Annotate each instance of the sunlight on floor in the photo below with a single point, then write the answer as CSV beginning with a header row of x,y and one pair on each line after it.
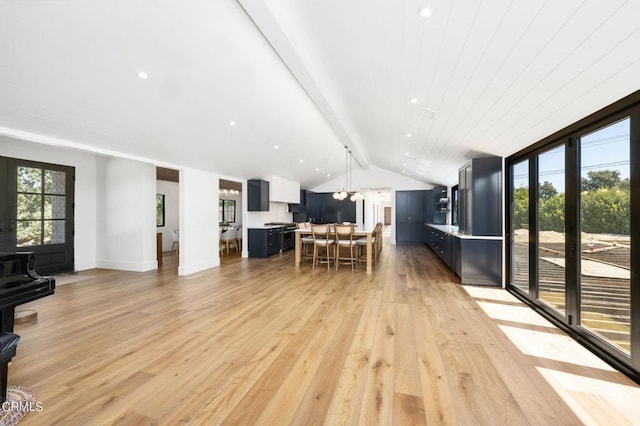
x,y
596,392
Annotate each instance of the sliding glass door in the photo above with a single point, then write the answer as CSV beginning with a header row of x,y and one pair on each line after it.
x,y
605,224
571,234
520,225
551,228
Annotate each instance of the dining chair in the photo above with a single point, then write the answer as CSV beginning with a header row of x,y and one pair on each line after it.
x,y
376,242
175,234
378,236
346,248
322,244
239,238
228,238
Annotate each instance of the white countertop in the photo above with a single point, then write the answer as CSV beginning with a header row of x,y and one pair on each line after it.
x,y
453,230
267,227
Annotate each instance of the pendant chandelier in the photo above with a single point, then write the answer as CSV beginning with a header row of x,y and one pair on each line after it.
x,y
346,190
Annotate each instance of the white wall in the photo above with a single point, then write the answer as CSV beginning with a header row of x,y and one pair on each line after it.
x,y
126,219
199,238
374,177
278,212
84,240
171,211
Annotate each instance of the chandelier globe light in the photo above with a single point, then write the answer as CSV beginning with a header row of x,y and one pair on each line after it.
x,y
346,191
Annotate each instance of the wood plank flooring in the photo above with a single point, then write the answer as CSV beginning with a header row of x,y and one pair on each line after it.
x,y
257,342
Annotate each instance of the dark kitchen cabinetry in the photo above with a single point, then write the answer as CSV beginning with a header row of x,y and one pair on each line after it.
x,y
264,242
442,245
480,192
410,216
321,207
257,195
338,211
476,260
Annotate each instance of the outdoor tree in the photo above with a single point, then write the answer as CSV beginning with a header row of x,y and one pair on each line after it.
x,y
521,207
547,190
598,179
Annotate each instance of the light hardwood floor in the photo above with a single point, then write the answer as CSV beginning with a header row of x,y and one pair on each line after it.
x,y
257,342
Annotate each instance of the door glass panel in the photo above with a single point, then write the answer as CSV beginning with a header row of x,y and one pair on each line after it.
x,y
54,206
520,226
551,220
54,182
29,179
29,206
29,233
53,231
605,244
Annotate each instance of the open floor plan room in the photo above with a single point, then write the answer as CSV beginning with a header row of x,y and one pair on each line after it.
x,y
258,342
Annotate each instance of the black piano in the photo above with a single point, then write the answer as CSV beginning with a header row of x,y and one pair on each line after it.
x,y
19,283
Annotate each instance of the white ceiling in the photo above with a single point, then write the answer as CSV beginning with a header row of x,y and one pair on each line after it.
x,y
490,77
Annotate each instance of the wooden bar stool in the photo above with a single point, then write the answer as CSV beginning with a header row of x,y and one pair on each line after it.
x,y
321,245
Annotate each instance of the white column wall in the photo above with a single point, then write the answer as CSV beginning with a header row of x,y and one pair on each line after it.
x,y
84,240
126,219
199,238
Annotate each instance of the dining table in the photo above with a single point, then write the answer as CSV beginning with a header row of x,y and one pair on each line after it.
x,y
356,234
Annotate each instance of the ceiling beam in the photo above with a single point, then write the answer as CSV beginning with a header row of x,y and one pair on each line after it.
x,y
264,20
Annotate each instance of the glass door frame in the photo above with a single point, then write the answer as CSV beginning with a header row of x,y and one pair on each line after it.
x,y
627,107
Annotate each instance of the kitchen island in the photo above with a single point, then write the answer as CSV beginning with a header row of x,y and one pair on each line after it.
x,y
475,259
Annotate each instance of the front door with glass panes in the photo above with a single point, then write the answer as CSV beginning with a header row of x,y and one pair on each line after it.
x,y
36,212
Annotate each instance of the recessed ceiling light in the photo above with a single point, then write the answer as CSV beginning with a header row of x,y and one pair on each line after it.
x,y
409,135
317,169
142,75
232,123
404,164
328,174
413,101
425,12
301,160
276,147
404,172
406,153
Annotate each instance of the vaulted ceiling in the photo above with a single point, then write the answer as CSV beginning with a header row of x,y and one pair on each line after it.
x,y
413,95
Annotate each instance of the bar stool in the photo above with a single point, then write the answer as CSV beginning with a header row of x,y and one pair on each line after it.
x,y
321,245
344,242
307,241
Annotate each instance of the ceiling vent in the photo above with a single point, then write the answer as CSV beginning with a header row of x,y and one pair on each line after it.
x,y
427,114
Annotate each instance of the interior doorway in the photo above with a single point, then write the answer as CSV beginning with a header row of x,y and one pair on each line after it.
x,y
230,214
167,216
387,215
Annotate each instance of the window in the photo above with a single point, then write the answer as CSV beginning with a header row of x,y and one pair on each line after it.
x,y
159,210
605,229
520,225
41,206
227,211
571,233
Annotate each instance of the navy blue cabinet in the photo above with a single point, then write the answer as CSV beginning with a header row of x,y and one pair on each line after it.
x,y
257,195
480,187
410,216
321,207
264,242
